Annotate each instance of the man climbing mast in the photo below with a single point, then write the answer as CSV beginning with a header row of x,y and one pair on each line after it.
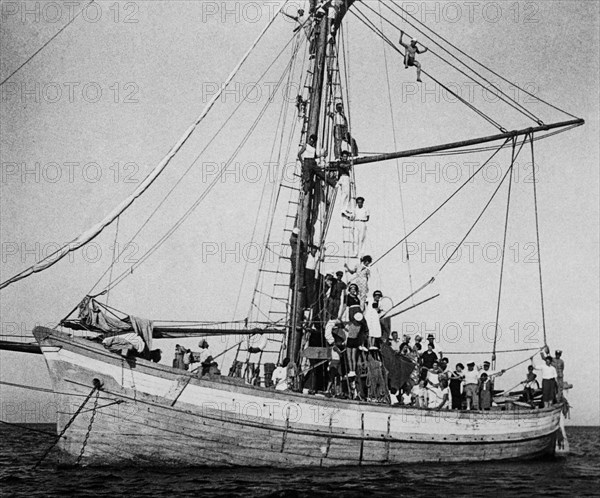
x,y
410,55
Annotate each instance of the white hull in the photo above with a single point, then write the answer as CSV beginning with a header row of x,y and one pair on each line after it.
x,y
149,414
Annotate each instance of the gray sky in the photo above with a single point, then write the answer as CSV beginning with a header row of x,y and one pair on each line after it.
x,y
94,112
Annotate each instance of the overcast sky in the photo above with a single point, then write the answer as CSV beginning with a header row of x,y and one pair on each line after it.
x,y
84,122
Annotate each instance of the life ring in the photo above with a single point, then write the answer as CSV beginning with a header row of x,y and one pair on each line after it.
x,y
355,314
257,343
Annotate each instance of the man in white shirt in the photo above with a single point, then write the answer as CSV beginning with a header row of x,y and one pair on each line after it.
x,y
395,342
280,376
204,357
361,217
548,382
471,381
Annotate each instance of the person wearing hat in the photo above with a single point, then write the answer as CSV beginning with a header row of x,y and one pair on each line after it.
x,y
372,313
471,380
351,314
361,216
548,381
410,54
559,364
492,374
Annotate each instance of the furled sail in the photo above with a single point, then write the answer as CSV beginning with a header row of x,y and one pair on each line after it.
x,y
93,232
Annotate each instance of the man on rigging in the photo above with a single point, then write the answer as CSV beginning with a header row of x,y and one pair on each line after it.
x,y
340,128
343,180
360,216
411,53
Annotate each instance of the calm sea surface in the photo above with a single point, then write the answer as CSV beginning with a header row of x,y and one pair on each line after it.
x,y
576,475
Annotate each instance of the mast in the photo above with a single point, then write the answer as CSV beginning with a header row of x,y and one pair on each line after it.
x,y
304,221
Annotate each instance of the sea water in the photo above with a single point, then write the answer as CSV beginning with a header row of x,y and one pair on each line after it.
x,y
578,474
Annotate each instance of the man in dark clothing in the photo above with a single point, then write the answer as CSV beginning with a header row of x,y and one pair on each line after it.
x,y
428,358
456,380
338,286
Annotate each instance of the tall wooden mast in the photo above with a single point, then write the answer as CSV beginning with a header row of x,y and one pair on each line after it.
x,y
305,223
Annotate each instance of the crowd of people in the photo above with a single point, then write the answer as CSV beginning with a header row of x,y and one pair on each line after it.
x,y
436,386
431,384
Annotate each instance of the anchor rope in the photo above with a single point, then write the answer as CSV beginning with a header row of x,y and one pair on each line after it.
x,y
97,387
89,430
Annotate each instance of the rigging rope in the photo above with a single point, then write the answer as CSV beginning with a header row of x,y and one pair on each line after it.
x,y
509,170
537,235
282,114
94,231
217,178
168,194
274,202
373,28
398,165
517,106
485,67
510,182
345,42
440,206
114,256
48,42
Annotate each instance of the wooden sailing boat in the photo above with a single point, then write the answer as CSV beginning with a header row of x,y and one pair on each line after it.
x,y
163,415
